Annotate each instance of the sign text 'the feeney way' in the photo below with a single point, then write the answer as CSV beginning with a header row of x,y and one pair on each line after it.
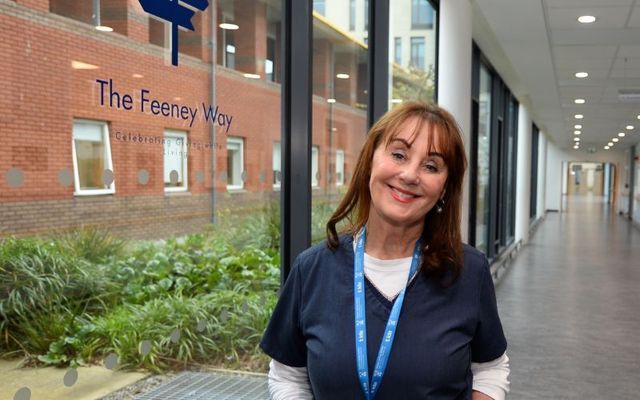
x,y
110,97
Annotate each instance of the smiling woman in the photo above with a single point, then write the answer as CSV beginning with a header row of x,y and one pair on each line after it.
x,y
399,265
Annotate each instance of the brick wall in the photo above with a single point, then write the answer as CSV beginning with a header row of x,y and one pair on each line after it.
x,y
42,94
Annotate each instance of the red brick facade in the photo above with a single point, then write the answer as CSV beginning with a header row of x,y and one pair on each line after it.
x,y
42,94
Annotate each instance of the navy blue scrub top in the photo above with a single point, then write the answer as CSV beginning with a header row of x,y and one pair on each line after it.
x,y
440,331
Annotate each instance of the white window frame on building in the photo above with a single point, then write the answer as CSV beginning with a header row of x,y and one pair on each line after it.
x,y
397,50
339,167
315,151
235,144
172,136
108,162
276,178
418,52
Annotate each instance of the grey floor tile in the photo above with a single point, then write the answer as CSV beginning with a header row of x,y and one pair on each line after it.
x,y
570,307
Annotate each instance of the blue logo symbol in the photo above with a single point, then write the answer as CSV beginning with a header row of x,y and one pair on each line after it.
x,y
179,16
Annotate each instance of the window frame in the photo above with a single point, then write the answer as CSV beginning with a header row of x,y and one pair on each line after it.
x,y
240,141
175,133
78,191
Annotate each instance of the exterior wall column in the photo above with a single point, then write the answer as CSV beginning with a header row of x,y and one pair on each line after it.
x,y
543,170
454,76
523,179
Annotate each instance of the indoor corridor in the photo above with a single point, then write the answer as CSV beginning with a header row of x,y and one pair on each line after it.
x,y
570,306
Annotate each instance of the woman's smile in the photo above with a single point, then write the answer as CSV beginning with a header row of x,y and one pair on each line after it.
x,y
402,196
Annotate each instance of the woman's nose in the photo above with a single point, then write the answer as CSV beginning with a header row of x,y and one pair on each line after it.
x,y
409,175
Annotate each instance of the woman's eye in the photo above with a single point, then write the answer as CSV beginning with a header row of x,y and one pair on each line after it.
x,y
431,167
397,156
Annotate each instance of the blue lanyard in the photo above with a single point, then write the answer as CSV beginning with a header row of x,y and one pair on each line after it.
x,y
361,321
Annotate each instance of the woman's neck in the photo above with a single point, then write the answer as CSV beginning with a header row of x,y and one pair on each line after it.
x,y
386,241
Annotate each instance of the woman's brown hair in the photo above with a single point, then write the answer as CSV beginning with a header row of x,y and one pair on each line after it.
x,y
442,254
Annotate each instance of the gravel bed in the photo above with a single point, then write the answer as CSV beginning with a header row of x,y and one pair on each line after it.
x,y
142,386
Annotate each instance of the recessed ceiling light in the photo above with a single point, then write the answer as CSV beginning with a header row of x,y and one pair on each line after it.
x,y
579,101
252,76
104,28
638,116
610,144
577,127
629,127
576,139
331,100
578,116
582,74
621,134
606,147
342,76
615,140
577,132
396,101
586,19
229,26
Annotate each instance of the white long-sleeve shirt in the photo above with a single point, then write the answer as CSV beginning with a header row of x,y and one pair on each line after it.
x,y
389,277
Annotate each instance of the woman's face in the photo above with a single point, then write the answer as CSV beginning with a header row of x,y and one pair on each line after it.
x,y
406,179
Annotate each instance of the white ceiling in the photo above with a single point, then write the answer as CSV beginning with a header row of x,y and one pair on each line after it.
x,y
538,45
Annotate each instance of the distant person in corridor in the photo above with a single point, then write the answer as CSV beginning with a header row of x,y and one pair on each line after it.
x,y
396,306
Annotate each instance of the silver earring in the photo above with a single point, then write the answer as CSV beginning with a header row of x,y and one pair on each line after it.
x,y
440,206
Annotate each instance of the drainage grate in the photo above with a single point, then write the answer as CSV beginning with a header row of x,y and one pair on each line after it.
x,y
209,386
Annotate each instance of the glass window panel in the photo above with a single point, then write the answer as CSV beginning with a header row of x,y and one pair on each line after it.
x,y
152,251
319,6
315,173
352,15
92,157
175,159
339,167
417,53
412,66
87,132
483,171
235,163
421,14
397,50
277,164
339,106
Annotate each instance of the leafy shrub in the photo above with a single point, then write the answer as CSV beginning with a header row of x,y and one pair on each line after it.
x,y
73,298
42,290
220,327
91,244
181,268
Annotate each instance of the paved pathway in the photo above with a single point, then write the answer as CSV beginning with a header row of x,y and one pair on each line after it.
x,y
48,383
570,306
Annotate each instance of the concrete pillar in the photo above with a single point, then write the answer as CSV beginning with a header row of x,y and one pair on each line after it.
x,y
542,175
523,180
454,76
